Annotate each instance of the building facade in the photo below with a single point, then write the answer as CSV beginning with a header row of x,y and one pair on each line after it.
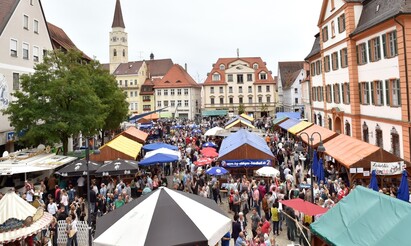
x,y
359,72
178,93
290,76
242,83
23,40
306,94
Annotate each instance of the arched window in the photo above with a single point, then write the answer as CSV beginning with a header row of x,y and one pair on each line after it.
x,y
395,142
330,123
378,136
114,52
365,135
347,128
222,67
124,52
320,120
315,119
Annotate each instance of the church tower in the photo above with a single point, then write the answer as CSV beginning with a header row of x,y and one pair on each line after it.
x,y
118,40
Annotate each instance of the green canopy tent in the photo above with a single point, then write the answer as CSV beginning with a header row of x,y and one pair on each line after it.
x,y
364,217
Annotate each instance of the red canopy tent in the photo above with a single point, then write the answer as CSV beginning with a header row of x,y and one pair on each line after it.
x,y
209,152
203,161
304,207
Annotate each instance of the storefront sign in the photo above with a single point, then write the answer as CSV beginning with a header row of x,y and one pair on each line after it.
x,y
10,136
387,168
246,163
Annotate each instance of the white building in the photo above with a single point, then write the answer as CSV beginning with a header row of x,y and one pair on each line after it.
x,y
290,76
23,40
179,93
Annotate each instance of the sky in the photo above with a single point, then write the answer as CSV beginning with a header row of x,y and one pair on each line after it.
x,y
196,32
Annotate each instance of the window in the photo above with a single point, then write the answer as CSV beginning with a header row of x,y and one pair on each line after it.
x,y
158,103
131,82
259,89
314,93
172,92
320,120
35,53
341,23
179,92
337,93
328,93
347,128
216,77
240,89
312,69
378,137
395,92
389,44
230,78
267,88
222,67
374,49
395,142
36,26
344,58
240,100
126,83
249,77
16,81
172,103
325,34
146,98
186,92
379,93
231,100
212,101
131,93
296,90
221,89
365,92
165,103
330,123
327,63
263,76
250,89
25,51
114,52
240,79
158,92
230,89
212,90
120,82
346,93
318,67
296,100
26,22
255,66
221,100
13,47
332,29
165,92
362,54
250,100
260,99
268,97
146,107
179,103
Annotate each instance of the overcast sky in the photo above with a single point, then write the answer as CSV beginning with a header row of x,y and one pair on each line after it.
x,y
196,32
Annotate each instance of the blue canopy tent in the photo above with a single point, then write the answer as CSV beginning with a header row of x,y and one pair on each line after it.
x,y
291,115
154,146
289,123
216,171
374,182
403,191
209,144
158,158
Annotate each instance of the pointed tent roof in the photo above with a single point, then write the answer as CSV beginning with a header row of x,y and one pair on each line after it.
x,y
118,16
13,206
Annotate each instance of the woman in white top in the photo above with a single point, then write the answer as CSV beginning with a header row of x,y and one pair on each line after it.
x,y
65,200
52,207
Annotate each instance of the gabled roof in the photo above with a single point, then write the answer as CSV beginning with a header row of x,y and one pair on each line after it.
x,y
7,8
159,67
249,61
289,72
60,40
386,10
324,7
118,16
128,68
135,134
176,77
316,47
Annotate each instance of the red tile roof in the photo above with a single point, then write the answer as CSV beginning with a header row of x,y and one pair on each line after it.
x,y
7,8
176,77
118,16
135,134
147,88
60,40
249,61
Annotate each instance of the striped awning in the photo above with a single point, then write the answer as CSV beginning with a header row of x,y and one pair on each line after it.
x,y
289,123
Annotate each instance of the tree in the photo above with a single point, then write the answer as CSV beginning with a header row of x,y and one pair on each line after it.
x,y
241,109
58,100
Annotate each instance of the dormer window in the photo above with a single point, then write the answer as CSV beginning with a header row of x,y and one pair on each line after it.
x,y
263,76
216,77
255,66
222,67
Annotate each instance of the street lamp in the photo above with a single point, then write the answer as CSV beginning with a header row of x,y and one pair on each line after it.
x,y
320,149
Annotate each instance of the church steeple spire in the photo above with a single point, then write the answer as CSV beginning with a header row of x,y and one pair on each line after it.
x,y
118,16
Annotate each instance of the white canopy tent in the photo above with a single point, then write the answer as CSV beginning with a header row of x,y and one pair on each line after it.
x,y
163,151
213,131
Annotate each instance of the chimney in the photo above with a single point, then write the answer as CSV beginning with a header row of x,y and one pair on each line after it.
x,y
238,52
151,56
185,66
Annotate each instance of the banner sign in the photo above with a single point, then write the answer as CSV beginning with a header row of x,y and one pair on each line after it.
x,y
246,163
387,168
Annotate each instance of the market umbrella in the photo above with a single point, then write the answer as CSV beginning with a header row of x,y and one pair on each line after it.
x,y
164,217
154,146
403,191
203,161
374,182
209,144
267,172
320,171
216,171
209,152
315,163
118,167
196,131
19,219
78,168
213,131
304,207
163,151
158,158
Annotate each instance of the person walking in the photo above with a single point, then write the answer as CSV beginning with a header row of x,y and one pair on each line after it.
x,y
275,218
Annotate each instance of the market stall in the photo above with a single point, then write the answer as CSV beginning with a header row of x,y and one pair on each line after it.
x,y
120,147
135,134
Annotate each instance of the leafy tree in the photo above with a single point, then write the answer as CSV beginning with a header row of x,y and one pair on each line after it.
x,y
59,100
241,109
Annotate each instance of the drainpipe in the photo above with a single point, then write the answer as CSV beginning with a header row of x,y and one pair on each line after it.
x,y
406,78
